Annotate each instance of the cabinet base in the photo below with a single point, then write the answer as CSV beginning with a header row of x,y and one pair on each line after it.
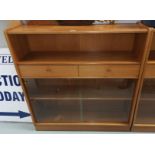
x,y
143,128
81,127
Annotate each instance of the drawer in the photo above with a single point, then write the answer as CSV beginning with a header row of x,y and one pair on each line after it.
x,y
109,71
149,71
36,71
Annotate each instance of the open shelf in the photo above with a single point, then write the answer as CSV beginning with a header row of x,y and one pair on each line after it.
x,y
85,89
113,48
79,58
58,111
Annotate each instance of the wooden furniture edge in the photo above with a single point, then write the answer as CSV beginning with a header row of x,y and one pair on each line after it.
x,y
143,127
82,126
19,76
13,24
27,29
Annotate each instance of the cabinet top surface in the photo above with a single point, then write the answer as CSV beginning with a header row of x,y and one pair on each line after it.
x,y
116,28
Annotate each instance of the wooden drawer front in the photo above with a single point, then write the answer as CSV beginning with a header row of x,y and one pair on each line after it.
x,y
38,71
149,71
109,71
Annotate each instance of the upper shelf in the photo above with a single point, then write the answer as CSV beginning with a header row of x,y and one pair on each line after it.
x,y
72,57
116,28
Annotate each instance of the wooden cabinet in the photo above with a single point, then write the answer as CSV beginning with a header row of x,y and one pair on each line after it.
x,y
145,112
80,77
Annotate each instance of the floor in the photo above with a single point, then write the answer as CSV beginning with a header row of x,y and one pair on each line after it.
x,y
27,128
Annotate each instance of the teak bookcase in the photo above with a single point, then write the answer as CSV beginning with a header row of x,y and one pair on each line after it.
x,y
144,119
82,77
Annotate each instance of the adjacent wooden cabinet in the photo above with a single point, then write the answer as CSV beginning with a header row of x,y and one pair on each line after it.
x,y
84,77
145,112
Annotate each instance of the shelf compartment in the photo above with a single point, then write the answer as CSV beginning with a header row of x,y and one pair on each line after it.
x,y
151,59
85,57
90,111
152,56
105,100
146,112
72,89
113,48
150,64
106,111
146,108
148,90
56,111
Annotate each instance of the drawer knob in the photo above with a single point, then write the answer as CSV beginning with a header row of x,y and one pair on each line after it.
x,y
108,70
48,70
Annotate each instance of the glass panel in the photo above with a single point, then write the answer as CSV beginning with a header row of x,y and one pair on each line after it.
x,y
56,111
146,109
106,111
81,100
119,89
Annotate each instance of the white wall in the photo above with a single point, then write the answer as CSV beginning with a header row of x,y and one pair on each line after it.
x,y
3,26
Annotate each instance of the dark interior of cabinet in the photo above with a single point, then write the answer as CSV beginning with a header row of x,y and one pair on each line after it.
x,y
152,50
78,48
